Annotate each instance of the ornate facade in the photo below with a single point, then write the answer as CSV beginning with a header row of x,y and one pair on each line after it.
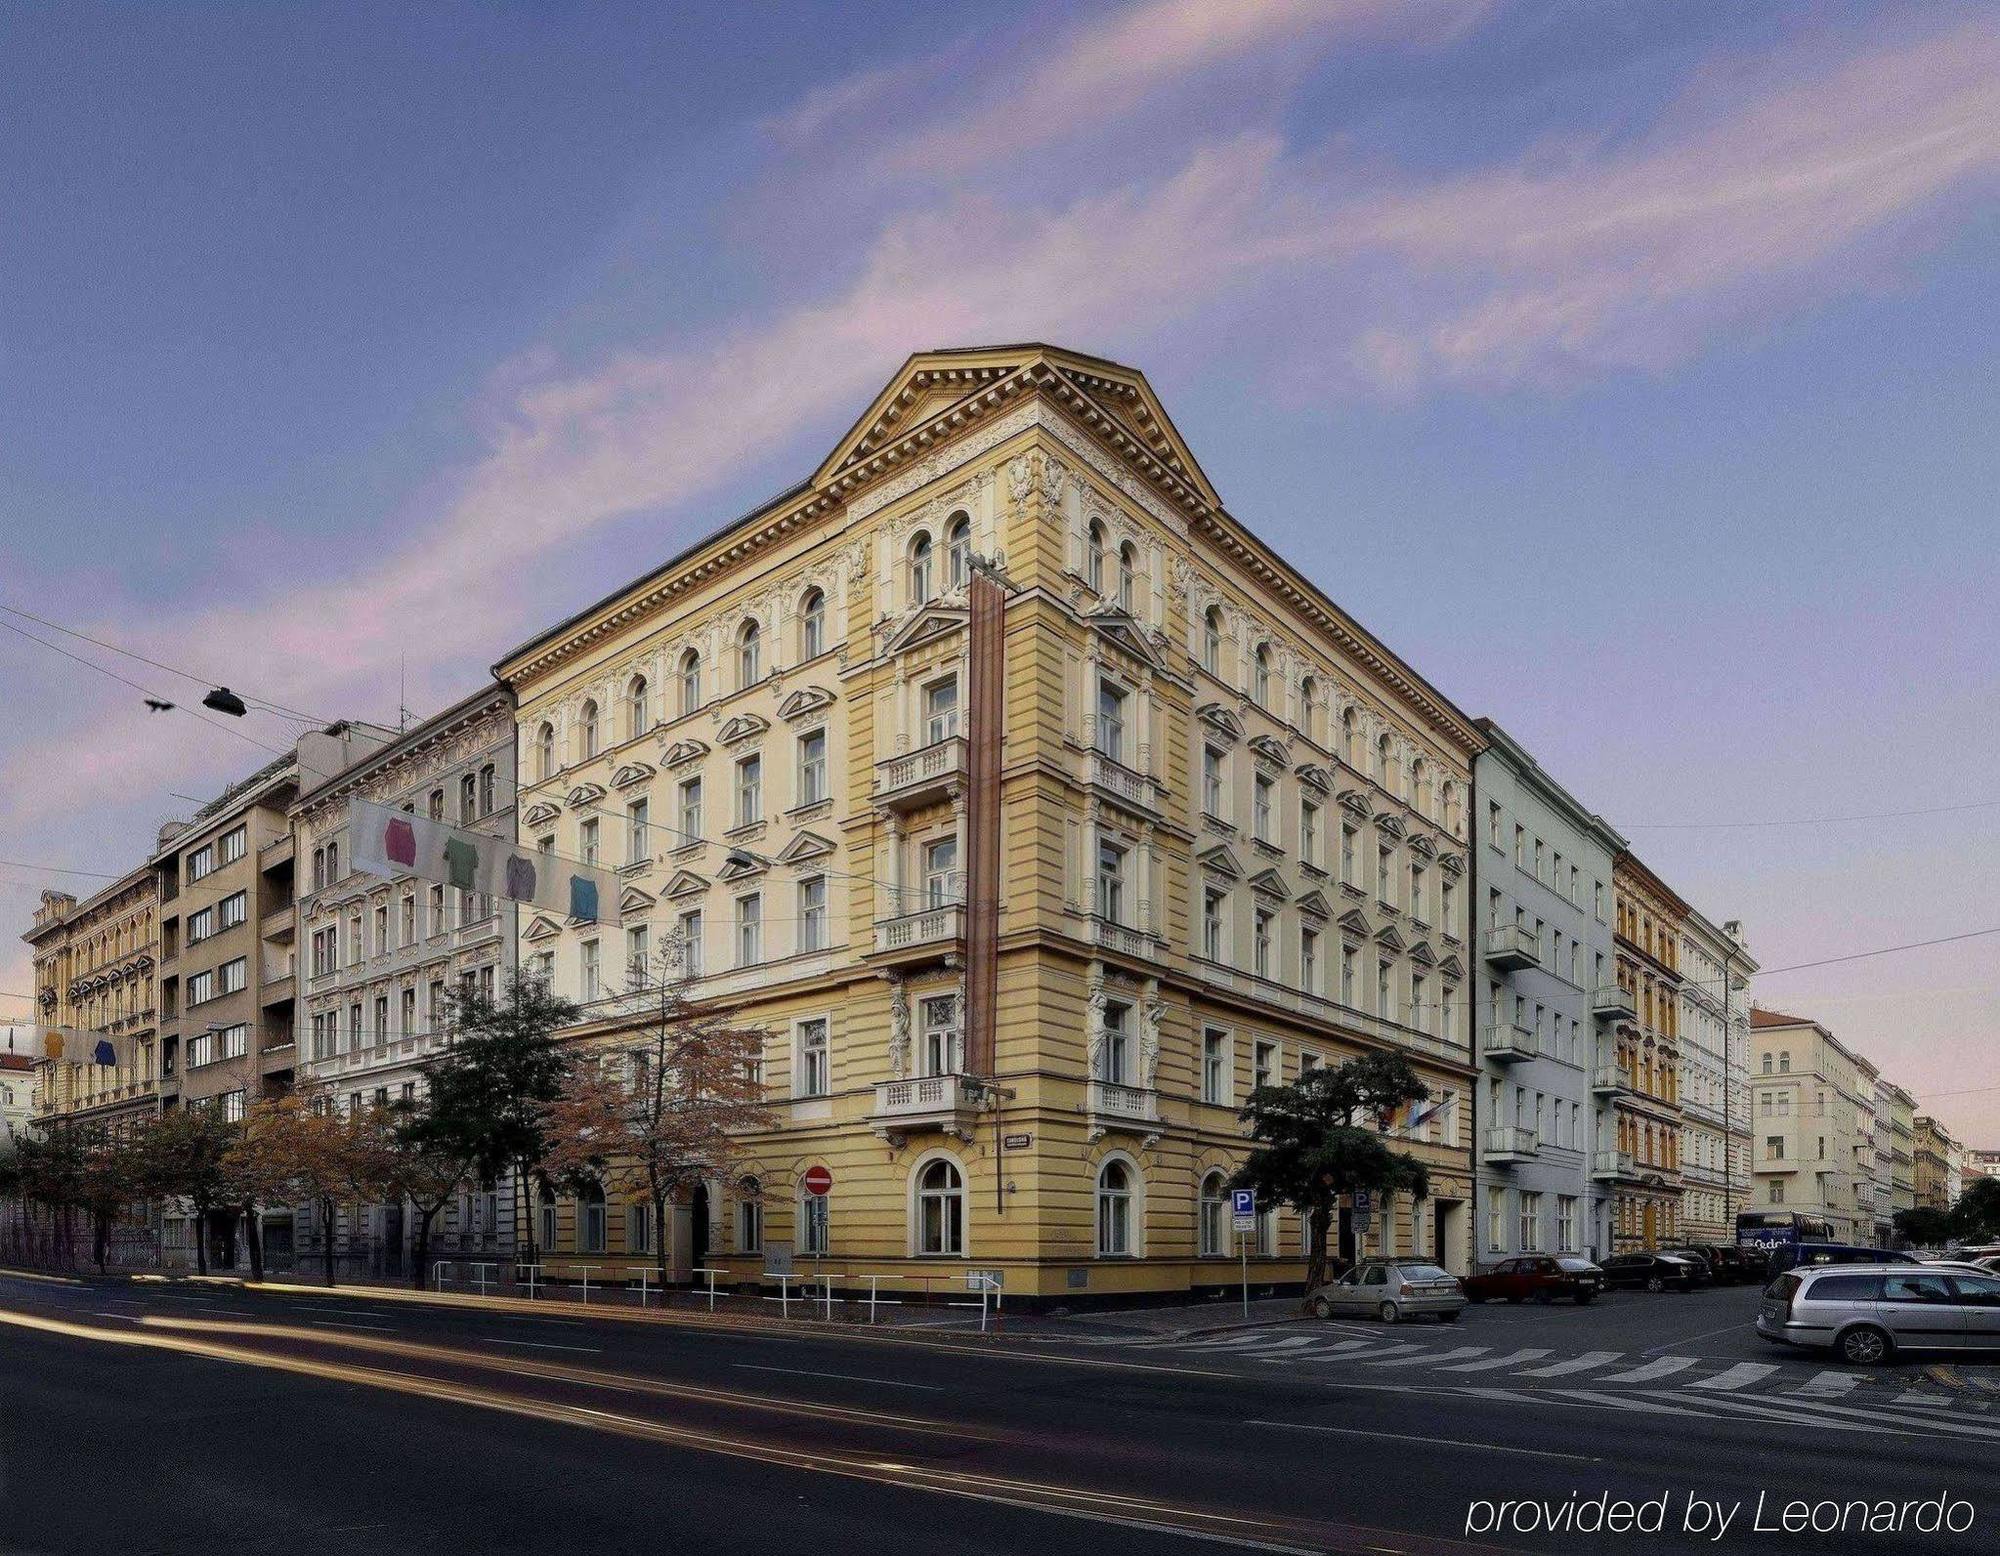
x,y
1714,1046
95,967
1645,1165
1232,830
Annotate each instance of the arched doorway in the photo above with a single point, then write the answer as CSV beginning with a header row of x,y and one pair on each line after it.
x,y
698,1230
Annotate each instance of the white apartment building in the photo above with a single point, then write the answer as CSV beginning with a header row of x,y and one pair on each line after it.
x,y
380,955
1715,1032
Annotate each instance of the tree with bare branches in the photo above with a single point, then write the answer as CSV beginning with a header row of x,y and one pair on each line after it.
x,y
301,1149
655,1111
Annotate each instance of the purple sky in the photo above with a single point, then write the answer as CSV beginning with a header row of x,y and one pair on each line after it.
x,y
1630,369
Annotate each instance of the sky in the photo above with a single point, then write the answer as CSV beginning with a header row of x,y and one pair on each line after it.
x,y
1631,370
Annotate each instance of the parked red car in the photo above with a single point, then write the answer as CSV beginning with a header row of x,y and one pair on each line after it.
x,y
1536,1277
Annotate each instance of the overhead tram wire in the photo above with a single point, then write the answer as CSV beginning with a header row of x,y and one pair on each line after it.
x,y
187,675
1806,821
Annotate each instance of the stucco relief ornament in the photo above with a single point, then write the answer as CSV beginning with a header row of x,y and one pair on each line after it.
x,y
1099,1003
1149,1042
899,1031
1054,473
1020,477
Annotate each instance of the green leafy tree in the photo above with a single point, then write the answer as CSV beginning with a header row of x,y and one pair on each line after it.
x,y
183,1159
114,1177
1925,1226
428,1166
1976,1216
1322,1136
488,1089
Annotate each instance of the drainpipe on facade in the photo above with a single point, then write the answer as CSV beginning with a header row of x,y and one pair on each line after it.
x,y
986,600
1476,946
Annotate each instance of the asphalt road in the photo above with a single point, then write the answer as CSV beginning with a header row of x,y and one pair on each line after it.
x,y
177,1417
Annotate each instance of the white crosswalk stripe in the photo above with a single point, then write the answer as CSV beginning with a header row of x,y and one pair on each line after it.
x,y
1371,1353
1665,1367
1495,1363
1583,1363
1740,1376
1828,1385
1429,1358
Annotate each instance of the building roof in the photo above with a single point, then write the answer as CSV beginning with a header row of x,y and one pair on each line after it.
x,y
1760,1017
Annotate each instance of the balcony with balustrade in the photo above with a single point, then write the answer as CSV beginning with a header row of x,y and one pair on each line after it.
x,y
922,777
1608,1080
1613,1003
921,936
939,1104
1114,1106
1507,1144
1508,1042
1605,1165
1512,948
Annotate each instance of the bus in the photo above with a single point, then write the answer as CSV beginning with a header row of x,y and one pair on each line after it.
x,y
1769,1230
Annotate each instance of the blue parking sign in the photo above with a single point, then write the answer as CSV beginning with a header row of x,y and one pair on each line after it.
x,y
1243,1209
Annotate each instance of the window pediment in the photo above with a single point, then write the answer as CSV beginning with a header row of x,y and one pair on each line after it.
x,y
806,846
926,625
1355,922
1315,777
1422,954
1314,905
685,884
1220,861
1118,627
745,726
1452,864
1357,803
804,702
1271,749
633,900
1390,824
1420,843
540,814
632,773
1387,936
1268,883
682,752
540,929
585,794
1452,967
741,865
1220,721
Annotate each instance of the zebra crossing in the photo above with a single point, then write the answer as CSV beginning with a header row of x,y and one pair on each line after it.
x,y
1665,1384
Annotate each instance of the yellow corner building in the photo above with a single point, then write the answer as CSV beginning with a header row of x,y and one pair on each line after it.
x,y
1226,831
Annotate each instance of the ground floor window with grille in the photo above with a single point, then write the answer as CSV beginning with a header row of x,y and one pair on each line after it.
x,y
940,1209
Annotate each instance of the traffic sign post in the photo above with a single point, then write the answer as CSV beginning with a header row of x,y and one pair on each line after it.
x,y
1243,1215
818,1181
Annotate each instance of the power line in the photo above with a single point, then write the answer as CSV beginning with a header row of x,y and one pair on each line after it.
x,y
1806,821
186,675
56,869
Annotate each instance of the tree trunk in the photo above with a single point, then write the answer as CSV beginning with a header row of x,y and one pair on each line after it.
x,y
328,1207
101,1230
660,1240
423,1249
201,1239
1322,1226
253,1239
528,1206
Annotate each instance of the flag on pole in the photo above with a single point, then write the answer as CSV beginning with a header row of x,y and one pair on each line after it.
x,y
388,842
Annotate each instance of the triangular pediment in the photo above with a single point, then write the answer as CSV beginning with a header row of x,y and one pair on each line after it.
x,y
1420,843
804,702
1355,922
584,794
1271,749
1118,627
682,752
745,726
1387,936
1269,883
1356,802
541,928
941,393
1451,966
632,773
1390,823
740,865
804,847
925,626
1220,720
1220,861
633,900
540,814
685,884
1315,777
1314,905
1452,864
1422,954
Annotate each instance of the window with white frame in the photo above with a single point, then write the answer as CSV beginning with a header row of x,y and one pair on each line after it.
x,y
1111,719
920,569
638,707
690,677
749,1217
587,834
233,909
638,842
590,981
1309,832
1531,1220
749,654
941,710
814,1070
1128,570
1496,1218
1348,877
1211,640
813,1225
637,948
1214,919
1260,677
940,860
940,1043
590,1219
1215,1066
200,987
200,925
639,1228
1309,958
749,791
1261,791
812,625
1110,881
1349,957
233,844
1214,1208
1093,556
749,930
812,767
812,913
690,812
1214,801
1114,1047
690,943
1261,921
1114,1210
201,862
587,731
940,1208
958,551
1264,1064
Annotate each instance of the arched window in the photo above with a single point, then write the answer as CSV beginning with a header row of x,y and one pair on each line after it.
x,y
812,625
1384,762
1420,786
1128,573
587,730
958,551
749,655
546,1205
1114,1210
690,681
1350,738
545,750
1211,640
590,1219
920,569
1309,708
1451,807
1093,556
332,862
1213,1207
940,1209
638,707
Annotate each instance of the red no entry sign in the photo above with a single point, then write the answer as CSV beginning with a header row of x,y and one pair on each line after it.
x,y
818,1181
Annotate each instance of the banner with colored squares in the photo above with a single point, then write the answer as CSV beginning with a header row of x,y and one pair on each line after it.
x,y
392,843
84,1047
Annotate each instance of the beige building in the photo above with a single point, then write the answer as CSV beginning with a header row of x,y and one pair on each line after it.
x,y
1936,1152
1028,883
1895,1131
1814,1154
1645,1169
95,966
1715,967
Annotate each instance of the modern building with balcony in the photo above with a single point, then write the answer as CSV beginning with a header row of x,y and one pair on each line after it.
x,y
1036,811
1541,870
380,955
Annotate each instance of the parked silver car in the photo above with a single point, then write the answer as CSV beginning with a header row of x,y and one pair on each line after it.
x,y
1391,1290
1868,1313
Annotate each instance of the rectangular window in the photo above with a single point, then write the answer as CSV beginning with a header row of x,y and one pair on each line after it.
x,y
1263,1064
231,1103
234,843
749,930
1215,1066
1566,1223
200,987
1531,1221
1212,800
813,1224
940,711
1114,1060
638,844
690,810
200,925
812,767
381,1033
381,929
940,1052
814,1072
1496,1218
812,913
1348,959
749,791
1309,832
1385,999
690,938
638,973
234,909
1385,874
591,983
1111,883
1309,959
409,1027
1111,720
1214,907
940,872
409,920
749,1226
1260,941
201,862
587,833
1347,867
435,917
1260,808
